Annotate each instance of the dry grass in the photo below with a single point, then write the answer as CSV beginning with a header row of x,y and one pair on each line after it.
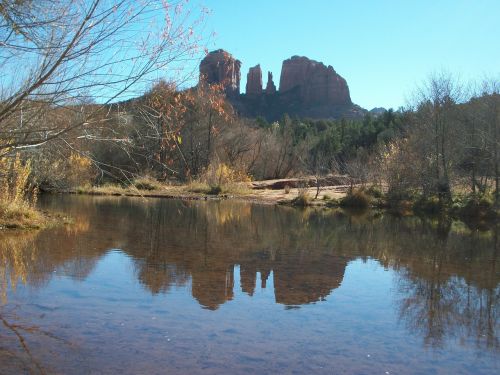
x,y
18,196
147,183
20,215
356,199
197,187
234,188
238,190
303,198
107,189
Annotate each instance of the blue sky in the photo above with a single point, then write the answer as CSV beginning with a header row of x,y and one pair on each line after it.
x,y
382,48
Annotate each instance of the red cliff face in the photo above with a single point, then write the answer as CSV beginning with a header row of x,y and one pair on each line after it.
x,y
316,83
221,67
254,81
308,88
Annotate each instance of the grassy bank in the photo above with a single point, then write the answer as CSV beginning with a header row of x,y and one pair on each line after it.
x,y
465,207
152,188
24,216
478,208
14,215
245,191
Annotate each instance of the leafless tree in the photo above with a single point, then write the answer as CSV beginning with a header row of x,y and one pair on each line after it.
x,y
60,56
435,126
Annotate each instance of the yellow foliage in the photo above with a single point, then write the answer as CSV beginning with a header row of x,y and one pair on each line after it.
x,y
15,187
79,161
18,195
220,174
79,170
16,252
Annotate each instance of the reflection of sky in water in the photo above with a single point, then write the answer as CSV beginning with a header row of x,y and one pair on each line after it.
x,y
136,310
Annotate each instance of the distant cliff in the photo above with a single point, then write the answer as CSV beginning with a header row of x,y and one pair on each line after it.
x,y
307,88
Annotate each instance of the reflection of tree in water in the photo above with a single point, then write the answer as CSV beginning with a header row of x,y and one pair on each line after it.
x,y
29,257
15,349
448,276
438,310
437,303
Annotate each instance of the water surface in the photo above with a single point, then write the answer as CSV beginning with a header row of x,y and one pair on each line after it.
x,y
163,286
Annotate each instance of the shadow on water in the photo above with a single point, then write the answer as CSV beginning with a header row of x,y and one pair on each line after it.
x,y
445,284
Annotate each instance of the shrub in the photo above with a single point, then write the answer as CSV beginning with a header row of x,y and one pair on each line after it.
x,y
477,207
356,199
20,215
146,183
221,177
53,171
374,191
198,187
333,202
214,190
303,199
15,183
428,205
18,195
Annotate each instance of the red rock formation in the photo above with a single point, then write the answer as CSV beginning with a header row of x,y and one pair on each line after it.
x,y
316,83
307,89
221,67
254,81
270,87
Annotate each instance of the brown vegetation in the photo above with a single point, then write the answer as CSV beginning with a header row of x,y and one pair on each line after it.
x,y
17,196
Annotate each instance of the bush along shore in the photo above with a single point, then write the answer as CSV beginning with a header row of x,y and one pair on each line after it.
x,y
18,198
472,208
466,207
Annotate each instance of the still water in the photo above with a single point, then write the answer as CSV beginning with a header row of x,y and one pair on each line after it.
x,y
138,286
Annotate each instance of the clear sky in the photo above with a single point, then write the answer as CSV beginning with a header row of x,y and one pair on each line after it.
x,y
383,48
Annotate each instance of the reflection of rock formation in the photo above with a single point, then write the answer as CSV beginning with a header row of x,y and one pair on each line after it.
x,y
449,281
308,280
213,286
248,277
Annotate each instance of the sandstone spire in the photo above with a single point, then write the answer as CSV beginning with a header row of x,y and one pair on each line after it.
x,y
254,81
270,87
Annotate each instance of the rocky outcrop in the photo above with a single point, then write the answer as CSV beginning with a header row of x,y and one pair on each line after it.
x,y
315,83
254,81
270,87
221,67
308,88
378,111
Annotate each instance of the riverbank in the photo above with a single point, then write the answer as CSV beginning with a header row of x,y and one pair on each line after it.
x,y
23,216
255,192
302,192
298,192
